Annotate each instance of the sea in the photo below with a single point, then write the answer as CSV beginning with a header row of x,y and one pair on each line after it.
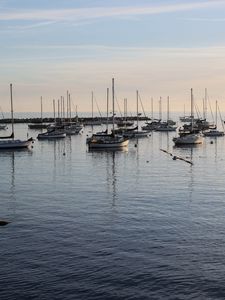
x,y
133,224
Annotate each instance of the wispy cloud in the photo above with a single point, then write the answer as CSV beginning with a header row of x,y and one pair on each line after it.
x,y
32,26
205,19
102,12
126,49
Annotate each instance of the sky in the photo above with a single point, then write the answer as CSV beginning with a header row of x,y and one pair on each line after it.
x,y
160,48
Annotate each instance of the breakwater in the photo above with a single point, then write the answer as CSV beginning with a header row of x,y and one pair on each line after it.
x,y
103,120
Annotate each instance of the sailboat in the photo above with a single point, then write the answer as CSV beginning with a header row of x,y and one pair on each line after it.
x,y
192,136
93,121
127,129
108,141
169,124
53,131
137,133
38,125
154,123
214,132
9,142
124,123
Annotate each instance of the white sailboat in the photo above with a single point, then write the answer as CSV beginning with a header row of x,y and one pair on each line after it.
x,y
53,132
9,142
190,137
214,132
138,133
108,141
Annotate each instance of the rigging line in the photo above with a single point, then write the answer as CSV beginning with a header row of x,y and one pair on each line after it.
x,y
197,111
97,107
142,105
220,116
211,109
119,107
74,107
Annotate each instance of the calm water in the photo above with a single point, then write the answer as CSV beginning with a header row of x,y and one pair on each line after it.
x,y
132,224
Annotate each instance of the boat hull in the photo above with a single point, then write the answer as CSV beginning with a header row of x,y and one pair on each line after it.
x,y
166,129
44,136
108,144
37,126
15,144
214,133
137,134
189,139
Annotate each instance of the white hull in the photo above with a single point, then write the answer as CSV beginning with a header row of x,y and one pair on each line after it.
x,y
107,144
188,139
15,144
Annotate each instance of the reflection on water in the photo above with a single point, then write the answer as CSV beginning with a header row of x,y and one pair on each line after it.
x,y
9,159
111,176
109,158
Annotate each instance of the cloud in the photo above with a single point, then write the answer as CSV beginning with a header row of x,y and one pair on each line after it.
x,y
204,19
123,51
80,14
32,26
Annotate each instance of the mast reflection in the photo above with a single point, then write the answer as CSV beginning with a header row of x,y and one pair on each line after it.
x,y
110,157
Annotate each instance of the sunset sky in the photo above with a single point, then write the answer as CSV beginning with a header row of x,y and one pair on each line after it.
x,y
161,48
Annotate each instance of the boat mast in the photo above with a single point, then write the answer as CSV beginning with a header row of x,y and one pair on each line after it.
x,y
92,104
160,108
205,106
168,108
216,114
124,109
152,107
137,108
192,113
41,111
69,97
12,117
63,109
107,114
76,115
54,110
222,122
58,110
113,103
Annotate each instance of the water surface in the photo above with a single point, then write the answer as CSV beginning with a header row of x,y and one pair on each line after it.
x,y
132,224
